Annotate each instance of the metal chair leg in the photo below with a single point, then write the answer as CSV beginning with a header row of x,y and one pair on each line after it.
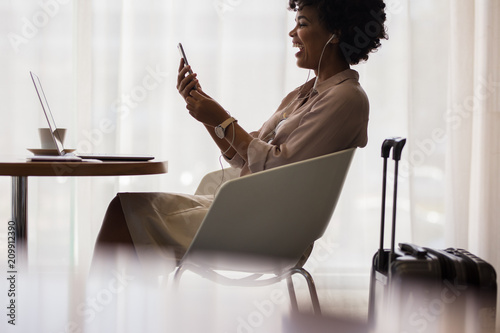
x,y
291,292
311,286
177,275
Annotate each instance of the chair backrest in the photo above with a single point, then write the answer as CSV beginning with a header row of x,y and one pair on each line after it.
x,y
276,213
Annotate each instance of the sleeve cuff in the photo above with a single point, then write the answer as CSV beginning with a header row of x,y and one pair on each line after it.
x,y
258,152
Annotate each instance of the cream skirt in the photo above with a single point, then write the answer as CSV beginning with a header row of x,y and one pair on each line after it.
x,y
163,224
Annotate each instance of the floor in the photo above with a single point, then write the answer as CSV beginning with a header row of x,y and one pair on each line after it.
x,y
126,301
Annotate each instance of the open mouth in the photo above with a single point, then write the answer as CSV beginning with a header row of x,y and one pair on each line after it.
x,y
301,49
300,46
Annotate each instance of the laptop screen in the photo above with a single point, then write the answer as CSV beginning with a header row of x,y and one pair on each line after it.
x,y
58,141
48,114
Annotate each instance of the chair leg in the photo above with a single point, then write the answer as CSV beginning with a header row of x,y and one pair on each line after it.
x,y
177,275
291,292
310,285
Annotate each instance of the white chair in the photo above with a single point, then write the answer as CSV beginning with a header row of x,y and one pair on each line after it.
x,y
270,218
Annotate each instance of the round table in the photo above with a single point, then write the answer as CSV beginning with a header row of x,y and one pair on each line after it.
x,y
20,170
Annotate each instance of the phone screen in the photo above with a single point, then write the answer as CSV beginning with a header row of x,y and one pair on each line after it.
x,y
183,55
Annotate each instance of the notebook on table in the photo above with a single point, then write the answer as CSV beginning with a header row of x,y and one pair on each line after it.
x,y
62,154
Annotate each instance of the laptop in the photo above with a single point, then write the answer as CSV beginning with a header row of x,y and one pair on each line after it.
x,y
62,154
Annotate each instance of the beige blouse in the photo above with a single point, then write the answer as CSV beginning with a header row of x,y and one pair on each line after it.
x,y
309,124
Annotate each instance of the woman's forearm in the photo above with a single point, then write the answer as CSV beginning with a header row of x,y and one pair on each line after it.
x,y
236,141
239,139
224,146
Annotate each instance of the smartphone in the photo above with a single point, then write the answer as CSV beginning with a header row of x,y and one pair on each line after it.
x,y
183,55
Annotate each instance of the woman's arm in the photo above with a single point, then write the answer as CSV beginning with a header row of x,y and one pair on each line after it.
x,y
207,111
211,114
224,146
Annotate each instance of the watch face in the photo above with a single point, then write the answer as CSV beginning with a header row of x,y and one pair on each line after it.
x,y
219,131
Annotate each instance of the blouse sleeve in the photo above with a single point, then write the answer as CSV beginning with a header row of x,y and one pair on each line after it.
x,y
237,161
332,124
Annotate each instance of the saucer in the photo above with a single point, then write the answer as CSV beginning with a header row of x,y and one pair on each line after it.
x,y
48,152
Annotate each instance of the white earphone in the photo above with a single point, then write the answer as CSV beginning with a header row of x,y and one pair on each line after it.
x,y
319,64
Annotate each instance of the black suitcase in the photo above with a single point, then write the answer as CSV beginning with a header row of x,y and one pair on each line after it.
x,y
418,289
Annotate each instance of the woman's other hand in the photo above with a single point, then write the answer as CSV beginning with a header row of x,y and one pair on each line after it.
x,y
186,83
205,109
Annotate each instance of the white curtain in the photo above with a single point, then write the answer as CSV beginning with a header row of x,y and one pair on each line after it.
x,y
473,148
109,71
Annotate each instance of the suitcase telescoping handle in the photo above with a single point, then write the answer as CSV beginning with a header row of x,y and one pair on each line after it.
x,y
396,144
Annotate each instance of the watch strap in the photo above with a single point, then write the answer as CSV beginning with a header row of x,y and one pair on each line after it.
x,y
220,130
227,122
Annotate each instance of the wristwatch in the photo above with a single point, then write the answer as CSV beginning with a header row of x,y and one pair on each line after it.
x,y
220,130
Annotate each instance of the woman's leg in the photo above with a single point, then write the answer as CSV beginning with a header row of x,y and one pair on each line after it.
x,y
114,230
113,241
114,262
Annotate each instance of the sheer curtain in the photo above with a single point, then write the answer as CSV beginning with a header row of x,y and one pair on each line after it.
x,y
473,148
109,72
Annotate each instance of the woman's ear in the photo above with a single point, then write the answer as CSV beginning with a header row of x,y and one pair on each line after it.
x,y
334,39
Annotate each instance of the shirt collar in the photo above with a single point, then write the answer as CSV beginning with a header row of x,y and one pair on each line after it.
x,y
337,79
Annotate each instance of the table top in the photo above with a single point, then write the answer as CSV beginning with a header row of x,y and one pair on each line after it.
x,y
19,167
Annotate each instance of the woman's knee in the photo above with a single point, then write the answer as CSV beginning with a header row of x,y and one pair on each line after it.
x,y
115,203
114,227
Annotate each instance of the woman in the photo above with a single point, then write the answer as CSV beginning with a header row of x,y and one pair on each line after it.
x,y
328,113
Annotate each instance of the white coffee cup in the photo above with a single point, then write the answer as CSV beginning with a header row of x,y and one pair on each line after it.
x,y
46,140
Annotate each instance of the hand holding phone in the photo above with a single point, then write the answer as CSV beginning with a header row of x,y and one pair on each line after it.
x,y
183,55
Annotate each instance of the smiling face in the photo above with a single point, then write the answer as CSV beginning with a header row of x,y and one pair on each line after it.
x,y
310,36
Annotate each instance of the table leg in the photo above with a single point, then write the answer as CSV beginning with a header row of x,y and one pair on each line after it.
x,y
19,214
